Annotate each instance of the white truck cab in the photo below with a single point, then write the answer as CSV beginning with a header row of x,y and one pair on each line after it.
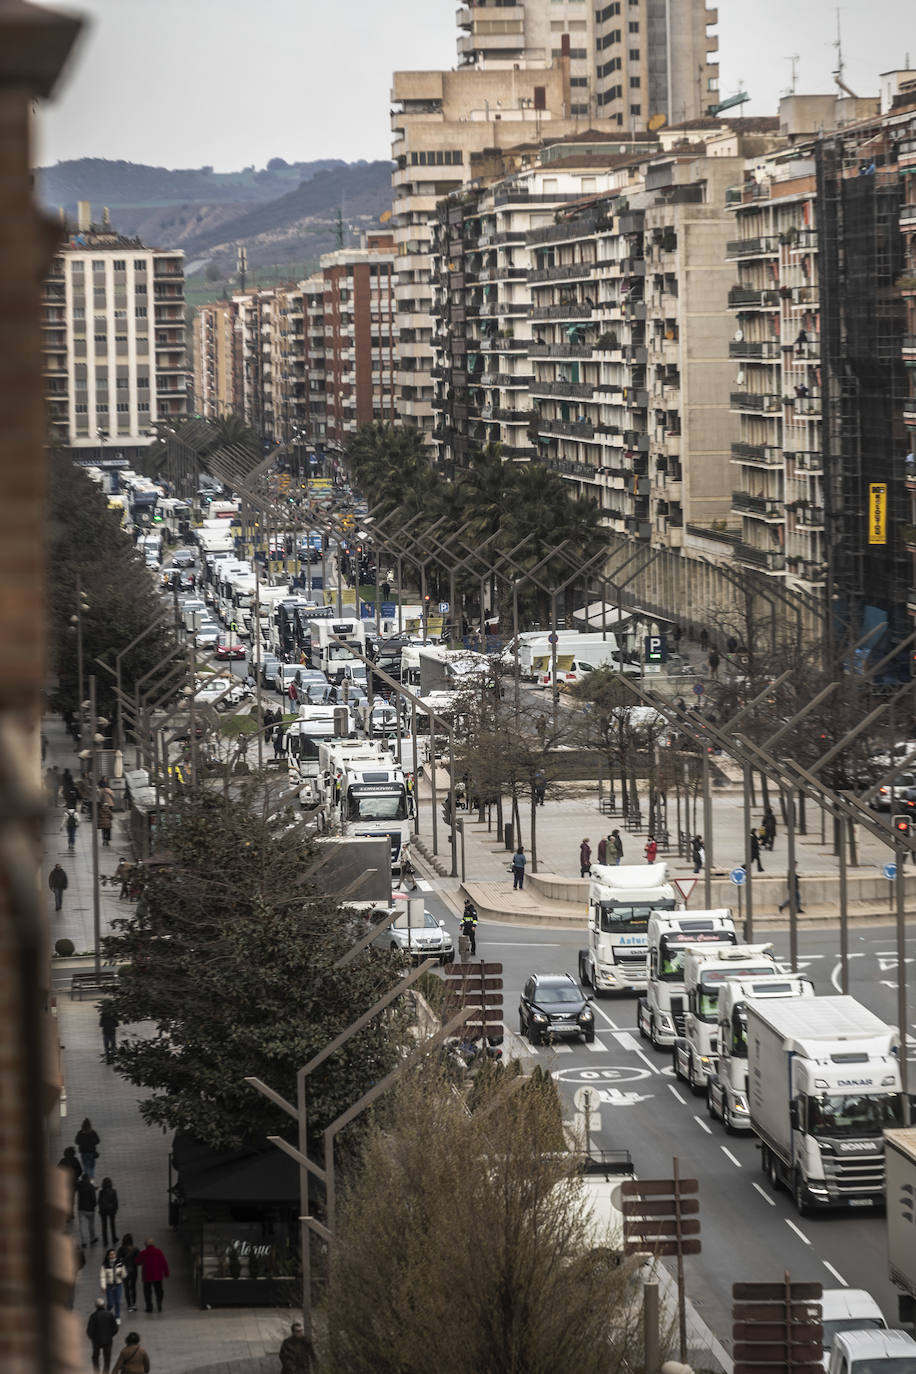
x,y
621,899
660,1014
726,1091
706,971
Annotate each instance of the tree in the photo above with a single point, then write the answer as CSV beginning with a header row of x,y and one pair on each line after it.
x,y
230,956
466,1232
625,731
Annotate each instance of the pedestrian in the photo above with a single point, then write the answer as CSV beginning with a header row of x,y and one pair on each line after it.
x,y
154,1267
87,1142
108,1021
540,787
755,851
585,858
714,664
278,740
44,746
128,1255
651,849
133,1359
296,1352
788,901
72,1171
615,847
122,875
518,869
602,850
697,853
101,1328
108,1214
268,724
106,816
769,827
52,784
111,1282
57,882
71,824
85,1209
704,639
469,924
106,796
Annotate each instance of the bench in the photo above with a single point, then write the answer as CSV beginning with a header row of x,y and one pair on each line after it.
x,y
106,980
607,807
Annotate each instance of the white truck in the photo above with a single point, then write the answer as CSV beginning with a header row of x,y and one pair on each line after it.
x,y
621,899
362,787
824,1084
900,1162
726,1091
706,971
660,1014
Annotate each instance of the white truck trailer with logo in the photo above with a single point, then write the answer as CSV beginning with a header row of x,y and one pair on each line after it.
x,y
660,1014
706,971
824,1085
726,1091
621,899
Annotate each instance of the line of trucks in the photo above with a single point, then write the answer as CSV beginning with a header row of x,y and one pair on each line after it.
x,y
816,1078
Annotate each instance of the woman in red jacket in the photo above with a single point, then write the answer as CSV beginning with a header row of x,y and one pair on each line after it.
x,y
154,1267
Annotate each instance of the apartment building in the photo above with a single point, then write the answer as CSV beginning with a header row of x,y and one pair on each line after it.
x,y
113,335
360,336
213,360
907,162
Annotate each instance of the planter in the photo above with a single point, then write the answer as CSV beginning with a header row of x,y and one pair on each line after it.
x,y
248,1292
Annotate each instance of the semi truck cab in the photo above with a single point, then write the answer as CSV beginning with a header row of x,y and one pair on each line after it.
x,y
660,1014
706,971
621,900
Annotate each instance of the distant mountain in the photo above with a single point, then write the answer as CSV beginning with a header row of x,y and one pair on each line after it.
x,y
283,212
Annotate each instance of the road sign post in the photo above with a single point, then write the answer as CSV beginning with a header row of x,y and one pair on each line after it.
x,y
661,1215
777,1326
480,987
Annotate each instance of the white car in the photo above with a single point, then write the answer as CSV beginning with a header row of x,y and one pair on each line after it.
x,y
285,674
848,1309
417,933
212,688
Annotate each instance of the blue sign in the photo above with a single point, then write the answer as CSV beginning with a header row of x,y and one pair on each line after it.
x,y
890,872
656,649
389,610
443,608
698,688
738,877
553,639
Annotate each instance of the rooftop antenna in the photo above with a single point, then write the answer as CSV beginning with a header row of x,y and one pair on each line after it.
x,y
242,266
339,229
793,60
838,71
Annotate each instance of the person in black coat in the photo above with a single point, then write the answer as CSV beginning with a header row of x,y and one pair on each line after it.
x,y
87,1142
101,1328
71,1165
755,851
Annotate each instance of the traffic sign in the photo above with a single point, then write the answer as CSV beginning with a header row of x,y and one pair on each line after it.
x,y
738,877
553,639
688,883
656,648
698,689
443,608
890,872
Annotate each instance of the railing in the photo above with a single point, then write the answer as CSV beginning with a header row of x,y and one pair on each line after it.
x,y
558,350
581,227
751,248
756,453
747,400
773,560
573,429
578,390
756,505
564,272
748,295
746,348
573,311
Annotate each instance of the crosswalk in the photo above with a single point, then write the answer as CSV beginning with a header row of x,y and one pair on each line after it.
x,y
573,1046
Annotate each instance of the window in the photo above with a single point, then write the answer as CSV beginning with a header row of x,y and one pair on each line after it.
x,y
76,267
101,338
634,54
140,288
634,85
120,265
578,81
143,406
120,314
578,109
81,408
98,264
101,407
636,110
139,264
633,26
140,312
123,407
79,312
122,383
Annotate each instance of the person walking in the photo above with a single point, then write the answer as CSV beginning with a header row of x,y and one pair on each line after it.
x,y
154,1267
697,853
101,1328
106,816
52,784
111,1282
58,882
615,847
85,1210
469,924
133,1359
755,851
769,828
128,1256
585,859
122,875
651,849
518,869
107,1202
109,1023
540,787
71,825
714,664
71,1167
87,1142
602,850
278,739
788,901
296,1352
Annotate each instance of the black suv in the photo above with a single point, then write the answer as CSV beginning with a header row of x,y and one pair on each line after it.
x,y
554,1005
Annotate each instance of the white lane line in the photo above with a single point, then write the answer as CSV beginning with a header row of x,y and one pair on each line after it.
x,y
604,1016
792,1227
673,1089
737,1162
596,1046
839,1277
838,968
702,1124
766,1197
626,1042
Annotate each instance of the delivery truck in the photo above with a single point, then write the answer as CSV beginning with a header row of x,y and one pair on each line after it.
x,y
706,971
823,1086
621,898
660,1014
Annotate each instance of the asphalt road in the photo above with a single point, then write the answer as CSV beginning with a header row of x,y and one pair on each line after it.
x,y
749,1232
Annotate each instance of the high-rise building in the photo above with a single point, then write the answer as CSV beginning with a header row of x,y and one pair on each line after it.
x,y
113,341
214,392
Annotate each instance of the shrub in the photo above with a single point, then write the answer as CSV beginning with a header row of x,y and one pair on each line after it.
x,y
64,948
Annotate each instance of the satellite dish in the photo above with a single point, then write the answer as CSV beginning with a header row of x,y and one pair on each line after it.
x,y
739,335
656,122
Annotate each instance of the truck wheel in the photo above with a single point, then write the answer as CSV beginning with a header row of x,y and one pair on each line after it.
x,y
801,1205
727,1116
640,1019
696,1085
771,1170
677,1067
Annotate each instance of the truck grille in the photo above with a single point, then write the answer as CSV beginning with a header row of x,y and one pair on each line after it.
x,y
857,1174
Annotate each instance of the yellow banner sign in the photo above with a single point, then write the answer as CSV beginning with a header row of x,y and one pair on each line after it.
x,y
877,513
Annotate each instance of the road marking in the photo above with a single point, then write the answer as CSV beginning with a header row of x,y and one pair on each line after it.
x,y
839,1277
424,885
737,1162
626,1042
596,1047
838,968
673,1089
604,1016
766,1197
792,1227
702,1124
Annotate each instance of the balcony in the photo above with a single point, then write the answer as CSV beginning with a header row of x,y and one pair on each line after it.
x,y
572,429
572,390
559,350
768,560
807,461
757,455
752,248
748,295
766,401
572,271
768,350
582,227
807,517
764,507
909,348
573,311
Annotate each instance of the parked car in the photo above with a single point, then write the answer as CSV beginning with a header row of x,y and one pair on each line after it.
x,y
285,674
207,636
554,1005
903,784
269,665
225,649
418,935
183,558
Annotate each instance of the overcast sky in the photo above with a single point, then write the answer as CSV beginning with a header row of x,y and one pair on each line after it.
x,y
186,83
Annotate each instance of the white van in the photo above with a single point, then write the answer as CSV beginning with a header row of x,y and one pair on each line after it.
x,y
848,1309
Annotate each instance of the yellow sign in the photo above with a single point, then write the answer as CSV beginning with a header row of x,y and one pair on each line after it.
x,y
877,513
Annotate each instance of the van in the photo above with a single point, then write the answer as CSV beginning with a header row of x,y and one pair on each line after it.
x,y
866,1352
848,1309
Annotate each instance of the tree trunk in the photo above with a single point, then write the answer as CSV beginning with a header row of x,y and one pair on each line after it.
x,y
516,818
534,846
764,789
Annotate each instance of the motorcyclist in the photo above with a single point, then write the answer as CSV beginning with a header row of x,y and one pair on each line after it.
x,y
469,924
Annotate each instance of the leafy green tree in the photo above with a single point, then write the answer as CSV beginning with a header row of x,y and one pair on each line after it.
x,y
227,970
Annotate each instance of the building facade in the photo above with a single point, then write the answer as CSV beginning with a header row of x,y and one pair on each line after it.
x,y
213,357
113,325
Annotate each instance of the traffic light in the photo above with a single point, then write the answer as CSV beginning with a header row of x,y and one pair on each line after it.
x,y
902,826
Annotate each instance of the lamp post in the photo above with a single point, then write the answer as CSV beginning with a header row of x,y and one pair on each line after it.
x,y
76,627
91,756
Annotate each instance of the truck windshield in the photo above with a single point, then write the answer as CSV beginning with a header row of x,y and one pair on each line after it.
x,y
671,950
378,806
836,1115
710,982
614,919
336,653
892,1365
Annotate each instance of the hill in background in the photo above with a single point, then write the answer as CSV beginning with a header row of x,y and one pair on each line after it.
x,y
285,212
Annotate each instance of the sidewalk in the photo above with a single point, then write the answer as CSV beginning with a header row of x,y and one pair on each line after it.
x,y
183,1339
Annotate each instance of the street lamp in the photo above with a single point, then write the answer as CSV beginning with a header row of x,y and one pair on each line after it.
x,y
76,628
91,757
